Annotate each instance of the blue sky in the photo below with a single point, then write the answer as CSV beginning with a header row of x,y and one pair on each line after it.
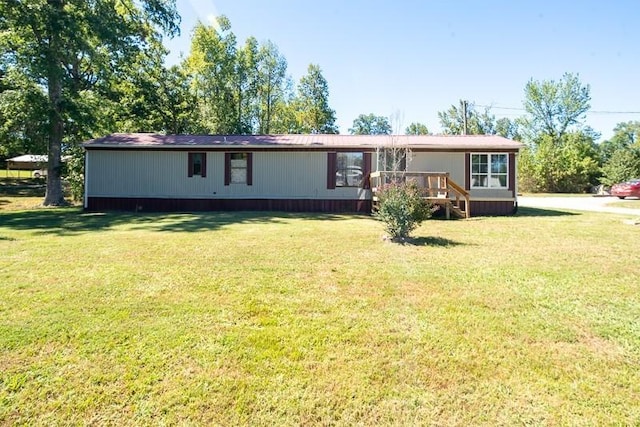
x,y
412,58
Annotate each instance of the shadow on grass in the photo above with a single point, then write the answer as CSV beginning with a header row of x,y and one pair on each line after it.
x,y
21,187
67,221
429,241
529,212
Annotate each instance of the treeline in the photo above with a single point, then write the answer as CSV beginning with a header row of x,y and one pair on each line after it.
x,y
221,87
561,153
71,71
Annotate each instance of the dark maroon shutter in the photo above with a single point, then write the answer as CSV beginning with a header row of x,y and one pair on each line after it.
x,y
467,171
512,173
332,160
204,165
190,165
249,168
366,171
227,168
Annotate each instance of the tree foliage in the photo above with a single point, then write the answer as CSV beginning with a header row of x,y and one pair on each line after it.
x,y
621,154
622,166
72,49
464,119
416,128
273,90
561,154
625,135
312,104
566,167
554,107
370,124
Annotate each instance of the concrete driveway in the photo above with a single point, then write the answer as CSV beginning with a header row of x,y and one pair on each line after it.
x,y
577,203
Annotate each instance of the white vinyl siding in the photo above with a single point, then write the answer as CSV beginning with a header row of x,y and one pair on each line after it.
x,y
281,175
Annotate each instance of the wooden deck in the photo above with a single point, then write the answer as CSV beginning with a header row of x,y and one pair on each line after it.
x,y
437,187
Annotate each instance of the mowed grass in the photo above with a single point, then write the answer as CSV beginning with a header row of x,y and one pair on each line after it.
x,y
300,319
626,203
16,173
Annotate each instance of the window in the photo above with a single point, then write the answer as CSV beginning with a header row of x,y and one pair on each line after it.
x,y
489,170
238,168
349,169
197,164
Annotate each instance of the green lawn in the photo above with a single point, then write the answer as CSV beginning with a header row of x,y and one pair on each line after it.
x,y
294,319
14,173
626,203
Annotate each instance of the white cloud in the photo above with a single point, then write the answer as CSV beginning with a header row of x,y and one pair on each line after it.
x,y
205,11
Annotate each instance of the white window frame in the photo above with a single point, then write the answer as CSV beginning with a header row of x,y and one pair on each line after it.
x,y
489,174
238,165
351,169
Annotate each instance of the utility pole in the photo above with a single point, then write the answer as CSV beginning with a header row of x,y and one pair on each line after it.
x,y
463,105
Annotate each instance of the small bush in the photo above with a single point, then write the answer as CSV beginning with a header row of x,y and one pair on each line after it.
x,y
401,208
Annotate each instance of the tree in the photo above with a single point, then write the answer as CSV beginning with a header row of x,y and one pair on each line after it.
x,y
417,129
466,120
623,165
561,152
370,124
508,128
566,167
272,91
625,135
312,104
153,98
23,116
212,66
621,154
555,107
70,47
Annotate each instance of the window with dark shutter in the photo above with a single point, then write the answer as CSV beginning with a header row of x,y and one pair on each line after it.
x,y
197,164
238,168
331,170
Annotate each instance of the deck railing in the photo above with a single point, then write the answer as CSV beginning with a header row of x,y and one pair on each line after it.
x,y
437,187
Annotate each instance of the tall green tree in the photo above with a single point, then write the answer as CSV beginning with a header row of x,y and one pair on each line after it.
x,y
273,90
246,86
508,128
555,107
370,124
152,97
23,116
621,154
212,66
312,104
464,119
625,135
571,166
72,47
561,152
417,129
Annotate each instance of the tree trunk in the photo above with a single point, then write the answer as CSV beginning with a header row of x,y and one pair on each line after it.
x,y
54,195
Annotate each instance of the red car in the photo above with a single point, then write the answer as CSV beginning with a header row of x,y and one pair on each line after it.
x,y
626,189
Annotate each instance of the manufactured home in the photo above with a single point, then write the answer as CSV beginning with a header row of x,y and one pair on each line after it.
x,y
302,173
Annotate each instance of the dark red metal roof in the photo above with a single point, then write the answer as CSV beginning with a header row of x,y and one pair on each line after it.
x,y
306,141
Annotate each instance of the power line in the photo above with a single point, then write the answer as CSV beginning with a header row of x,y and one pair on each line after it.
x,y
613,112
588,112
